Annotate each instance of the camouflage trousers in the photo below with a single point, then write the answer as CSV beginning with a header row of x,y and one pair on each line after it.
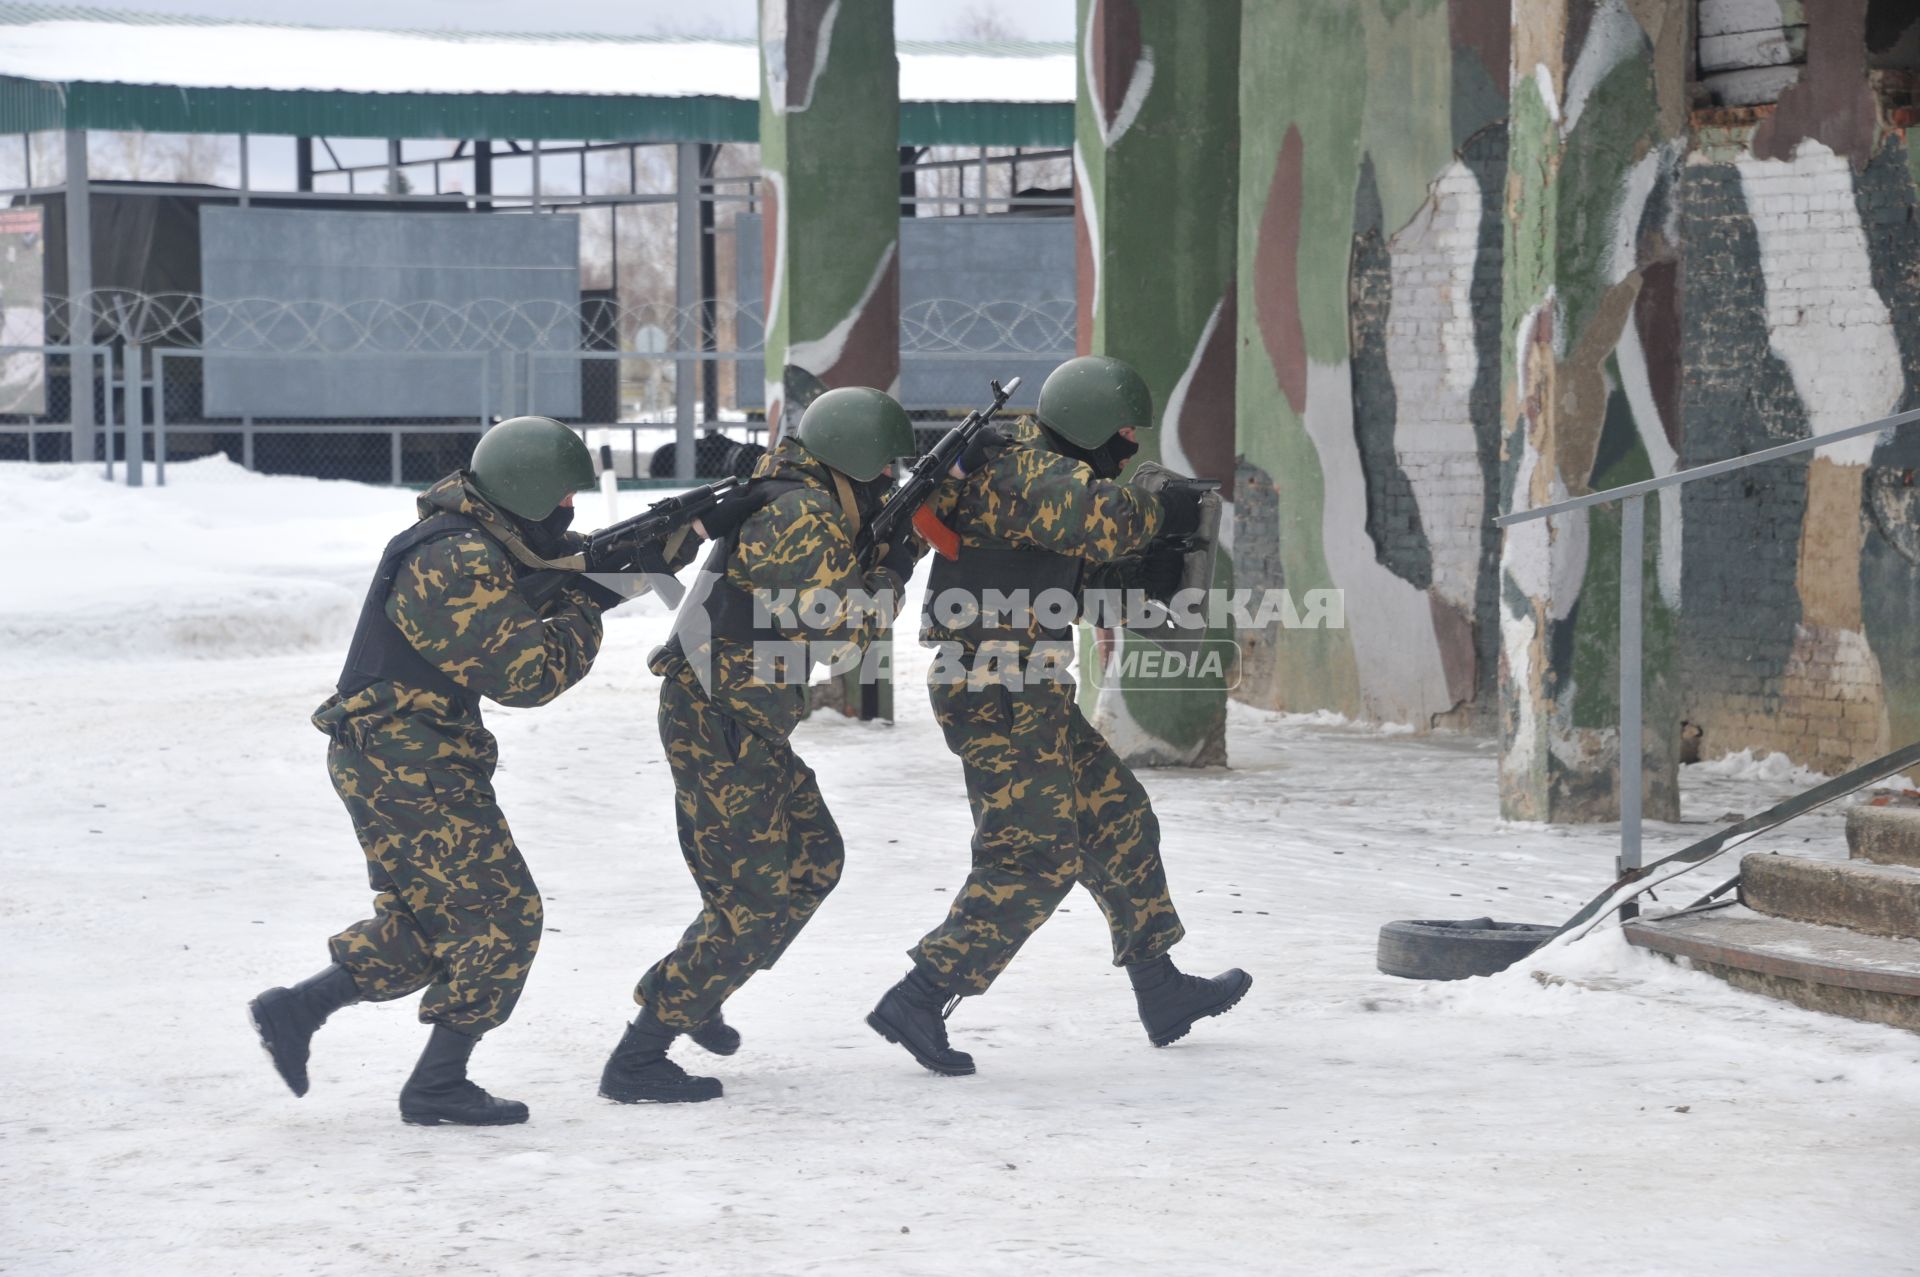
x,y
455,911
759,841
1052,805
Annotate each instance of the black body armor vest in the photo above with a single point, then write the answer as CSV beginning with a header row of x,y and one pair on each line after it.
x,y
1003,569
380,651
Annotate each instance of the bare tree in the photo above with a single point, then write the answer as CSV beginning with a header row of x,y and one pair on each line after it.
x,y
131,156
212,159
983,20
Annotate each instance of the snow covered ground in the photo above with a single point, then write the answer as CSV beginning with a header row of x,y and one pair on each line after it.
x,y
174,847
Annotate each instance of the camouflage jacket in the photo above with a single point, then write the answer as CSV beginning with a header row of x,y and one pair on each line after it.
x,y
455,601
1029,495
798,548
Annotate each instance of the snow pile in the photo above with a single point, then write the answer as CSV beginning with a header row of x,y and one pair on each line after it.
x,y
218,562
1770,766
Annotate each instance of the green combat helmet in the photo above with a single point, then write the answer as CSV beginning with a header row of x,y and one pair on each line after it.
x,y
856,430
1088,400
528,465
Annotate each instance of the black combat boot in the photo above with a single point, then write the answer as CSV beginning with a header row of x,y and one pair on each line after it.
x,y
1170,1001
439,1094
914,1014
639,1072
717,1036
286,1019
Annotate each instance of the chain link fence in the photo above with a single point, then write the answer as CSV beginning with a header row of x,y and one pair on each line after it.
x,y
398,393
38,402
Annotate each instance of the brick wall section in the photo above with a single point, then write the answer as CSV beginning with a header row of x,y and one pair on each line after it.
x,y
1430,337
1739,607
1763,668
1424,315
1890,552
1485,153
1393,512
1256,559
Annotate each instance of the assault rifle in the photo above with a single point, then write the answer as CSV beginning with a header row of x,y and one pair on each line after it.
x,y
637,544
907,500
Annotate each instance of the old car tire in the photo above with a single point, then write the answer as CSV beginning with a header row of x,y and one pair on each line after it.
x,y
1443,950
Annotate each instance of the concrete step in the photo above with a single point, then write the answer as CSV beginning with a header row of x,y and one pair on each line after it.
x,y
1886,833
1879,900
1820,968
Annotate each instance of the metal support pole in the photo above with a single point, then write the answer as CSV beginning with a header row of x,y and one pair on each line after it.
x,y
393,166
303,164
536,175
1632,545
246,180
134,416
80,402
160,418
246,442
395,453
686,299
106,402
709,287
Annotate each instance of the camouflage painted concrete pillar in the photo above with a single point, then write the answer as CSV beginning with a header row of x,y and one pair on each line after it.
x,y
1155,178
1590,392
830,169
830,188
1373,148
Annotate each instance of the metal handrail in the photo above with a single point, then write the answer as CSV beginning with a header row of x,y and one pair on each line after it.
x,y
1707,471
1632,588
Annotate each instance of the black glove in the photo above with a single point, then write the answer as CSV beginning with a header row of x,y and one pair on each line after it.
x,y
1160,571
1180,502
616,557
900,552
981,449
645,556
730,512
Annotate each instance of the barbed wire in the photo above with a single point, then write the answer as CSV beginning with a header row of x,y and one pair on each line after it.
x,y
289,326
1038,328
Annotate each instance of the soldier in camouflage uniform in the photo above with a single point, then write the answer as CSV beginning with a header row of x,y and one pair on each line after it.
x,y
1052,803
481,598
754,830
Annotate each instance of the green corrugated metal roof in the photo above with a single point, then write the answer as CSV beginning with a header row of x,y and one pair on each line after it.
x,y
29,105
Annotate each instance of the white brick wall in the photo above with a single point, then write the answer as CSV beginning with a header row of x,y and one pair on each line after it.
x,y
1431,356
1825,320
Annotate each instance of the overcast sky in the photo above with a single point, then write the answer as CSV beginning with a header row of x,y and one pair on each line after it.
x,y
913,19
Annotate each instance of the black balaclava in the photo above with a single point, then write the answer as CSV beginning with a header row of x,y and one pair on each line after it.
x,y
1107,461
547,537
872,494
